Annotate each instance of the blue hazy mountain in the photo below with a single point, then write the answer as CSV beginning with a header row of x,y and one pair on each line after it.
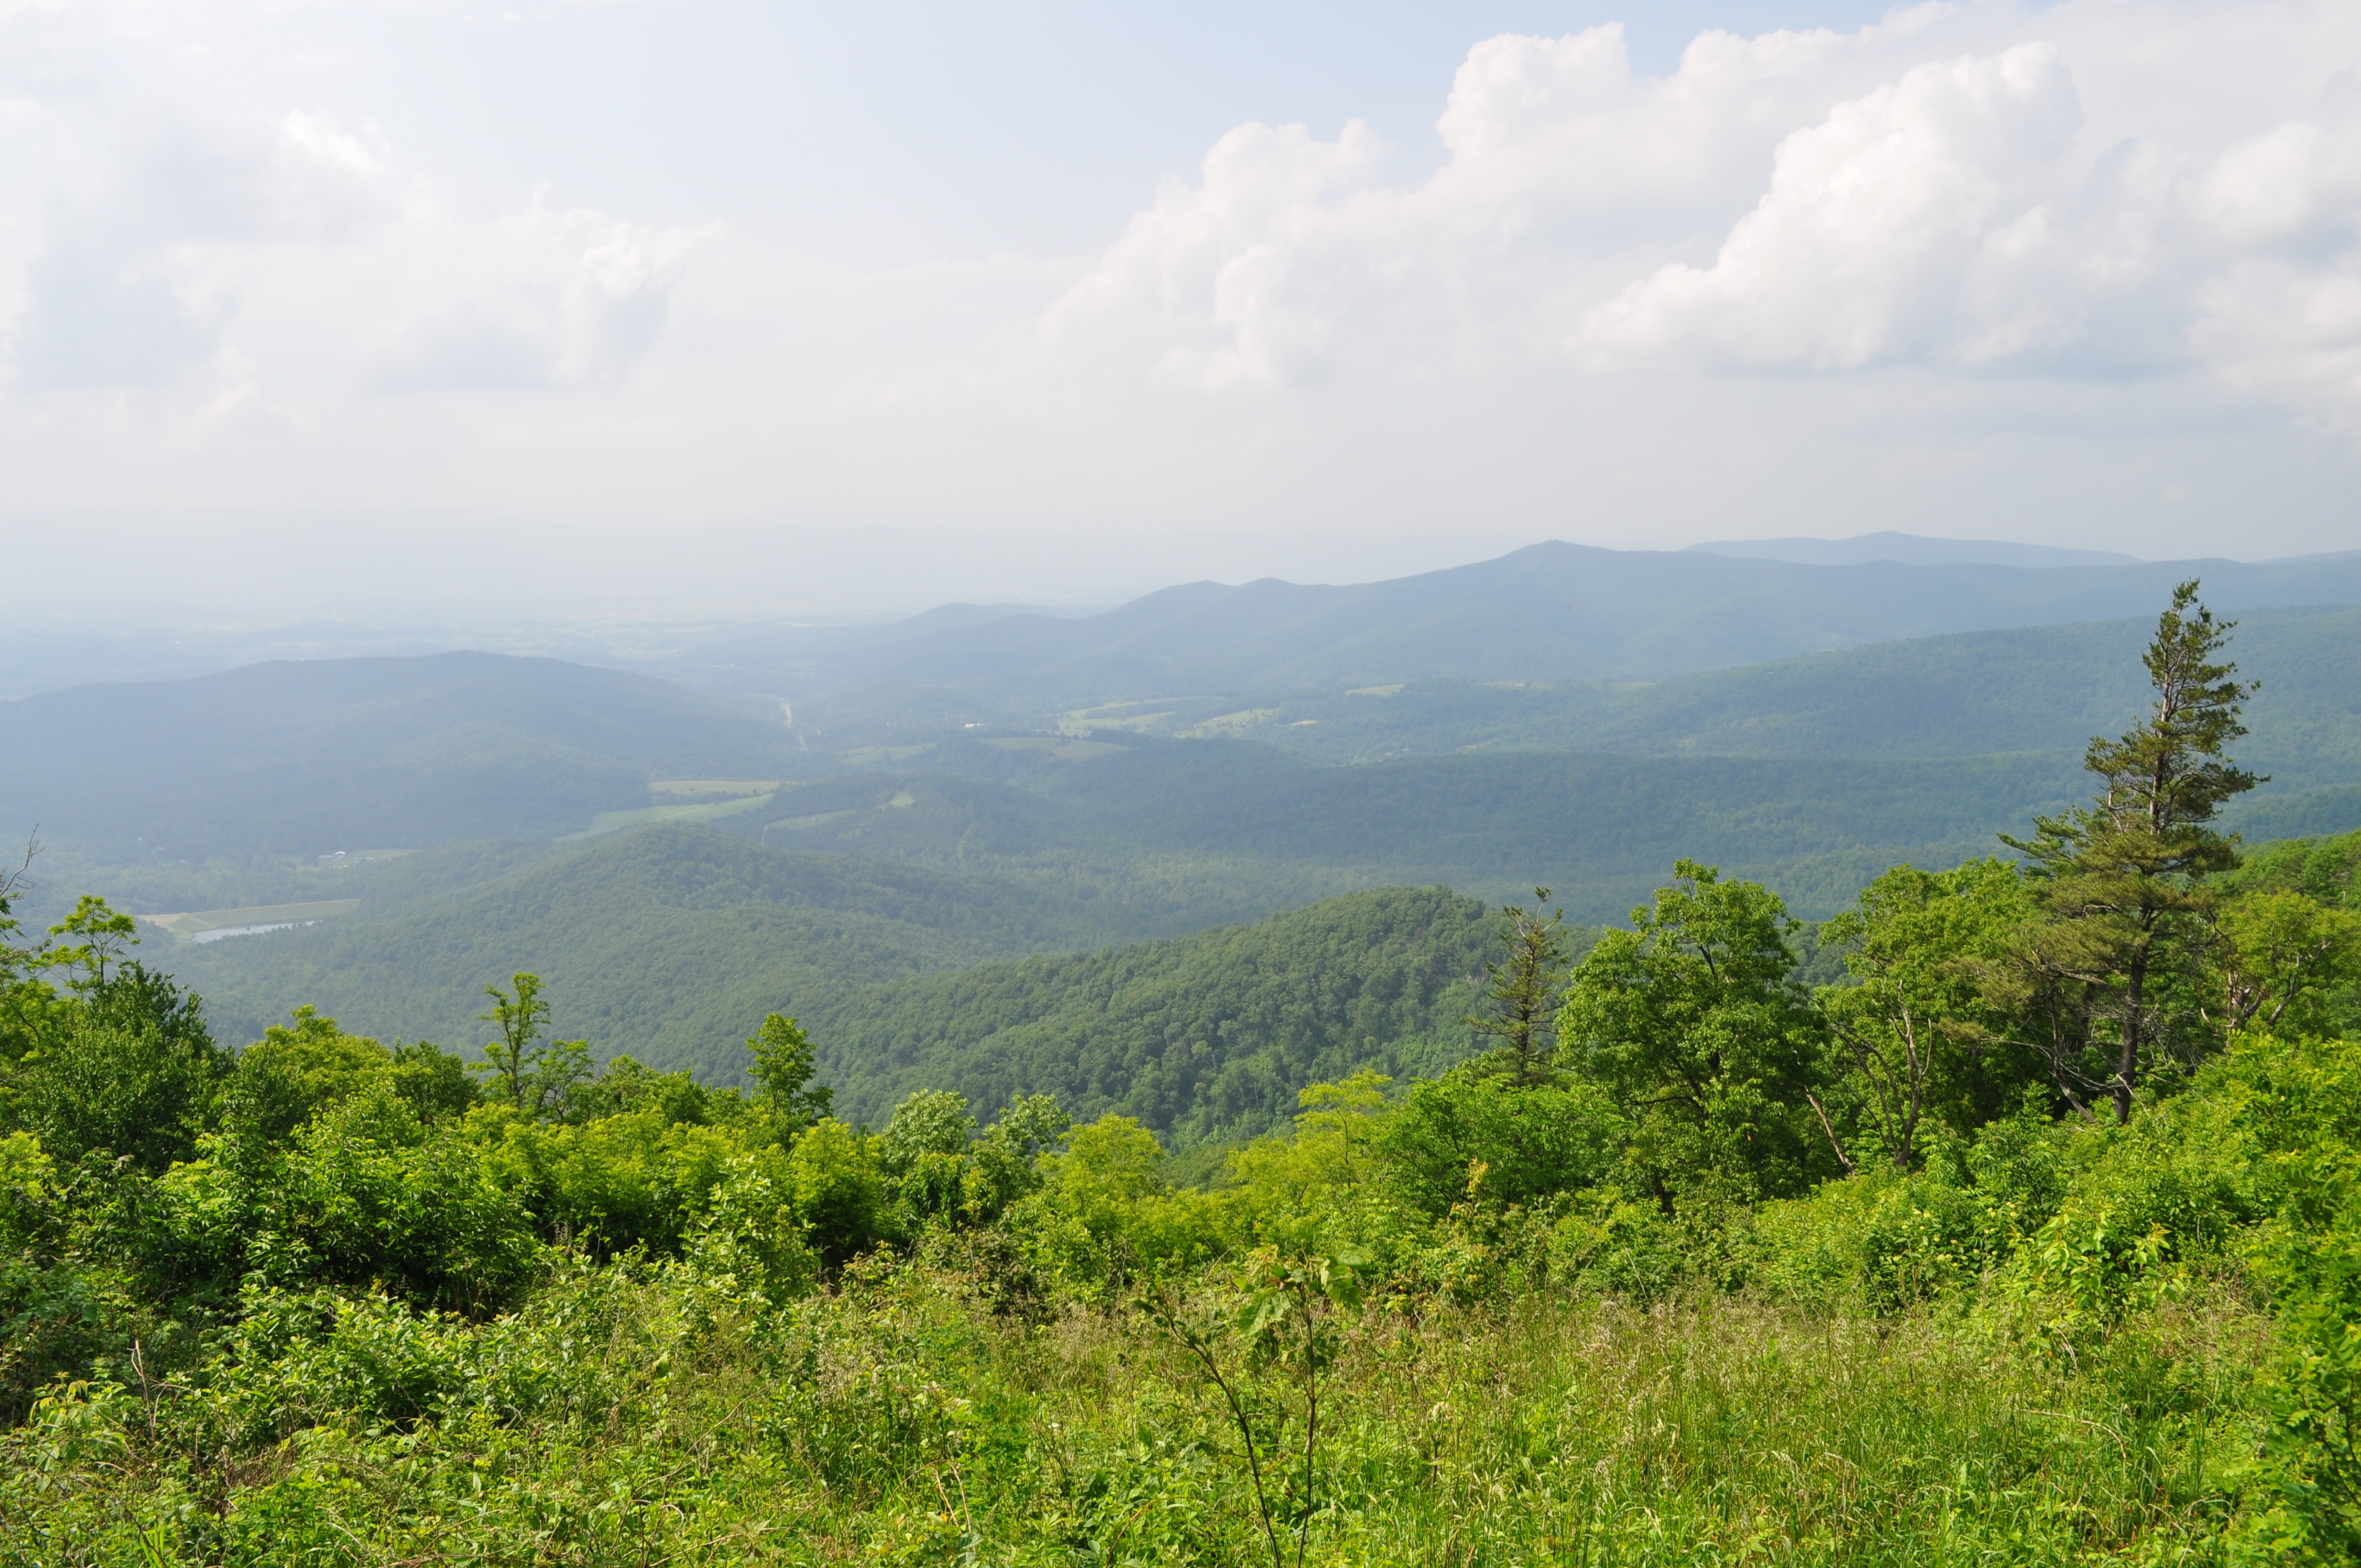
x,y
1911,550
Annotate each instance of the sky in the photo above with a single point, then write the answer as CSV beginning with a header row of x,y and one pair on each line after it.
x,y
1324,288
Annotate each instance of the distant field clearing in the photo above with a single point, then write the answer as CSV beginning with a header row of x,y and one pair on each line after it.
x,y
713,786
611,821
1065,751
212,925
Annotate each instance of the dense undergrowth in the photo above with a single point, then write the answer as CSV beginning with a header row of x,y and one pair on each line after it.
x,y
2065,1344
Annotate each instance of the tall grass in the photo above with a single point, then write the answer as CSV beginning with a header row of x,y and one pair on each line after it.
x,y
643,1417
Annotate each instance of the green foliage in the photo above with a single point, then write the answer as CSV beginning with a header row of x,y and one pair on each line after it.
x,y
1692,1025
285,1078
837,1191
1473,1137
783,1066
1205,1038
2286,963
1521,992
537,1080
363,1195
1600,1299
434,1081
130,1073
2122,881
1916,1025
106,935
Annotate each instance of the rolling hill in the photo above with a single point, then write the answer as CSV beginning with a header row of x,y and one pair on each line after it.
x,y
296,757
669,942
661,940
1202,1037
672,942
1553,612
1969,694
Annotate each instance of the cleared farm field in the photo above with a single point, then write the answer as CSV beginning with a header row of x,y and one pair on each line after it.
x,y
712,786
614,821
211,924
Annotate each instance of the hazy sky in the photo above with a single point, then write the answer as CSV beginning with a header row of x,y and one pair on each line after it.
x,y
2085,273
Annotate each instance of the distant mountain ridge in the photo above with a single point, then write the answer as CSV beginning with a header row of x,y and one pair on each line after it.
x,y
1912,550
1551,611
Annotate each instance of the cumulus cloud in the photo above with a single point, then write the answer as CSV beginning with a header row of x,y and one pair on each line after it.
x,y
1880,231
1960,213
1289,255
120,296
1251,269
140,285
560,300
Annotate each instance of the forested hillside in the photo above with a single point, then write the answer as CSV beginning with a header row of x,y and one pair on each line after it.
x,y
661,940
2026,690
1201,1039
306,758
284,762
2013,1214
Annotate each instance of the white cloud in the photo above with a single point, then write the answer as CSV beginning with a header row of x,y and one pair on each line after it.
x,y
1882,231
552,300
1939,261
1959,213
1247,267
121,296
342,267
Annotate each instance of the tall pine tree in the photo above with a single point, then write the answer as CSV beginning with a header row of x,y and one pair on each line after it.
x,y
2121,883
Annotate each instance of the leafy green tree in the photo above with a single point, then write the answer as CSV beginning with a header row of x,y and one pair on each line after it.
x,y
286,1077
364,1194
106,936
434,1081
1336,1147
1693,1024
1004,1164
2111,968
1521,992
925,1151
2281,960
626,1085
127,1070
783,1068
1475,1137
28,1004
837,1190
536,1078
1915,1025
136,997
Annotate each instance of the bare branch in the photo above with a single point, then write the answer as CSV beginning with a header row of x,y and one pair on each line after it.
x,y
14,882
1843,1158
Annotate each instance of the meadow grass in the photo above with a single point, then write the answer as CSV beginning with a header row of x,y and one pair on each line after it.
x,y
633,1417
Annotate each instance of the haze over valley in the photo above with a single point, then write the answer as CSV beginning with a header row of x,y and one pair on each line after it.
x,y
791,818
